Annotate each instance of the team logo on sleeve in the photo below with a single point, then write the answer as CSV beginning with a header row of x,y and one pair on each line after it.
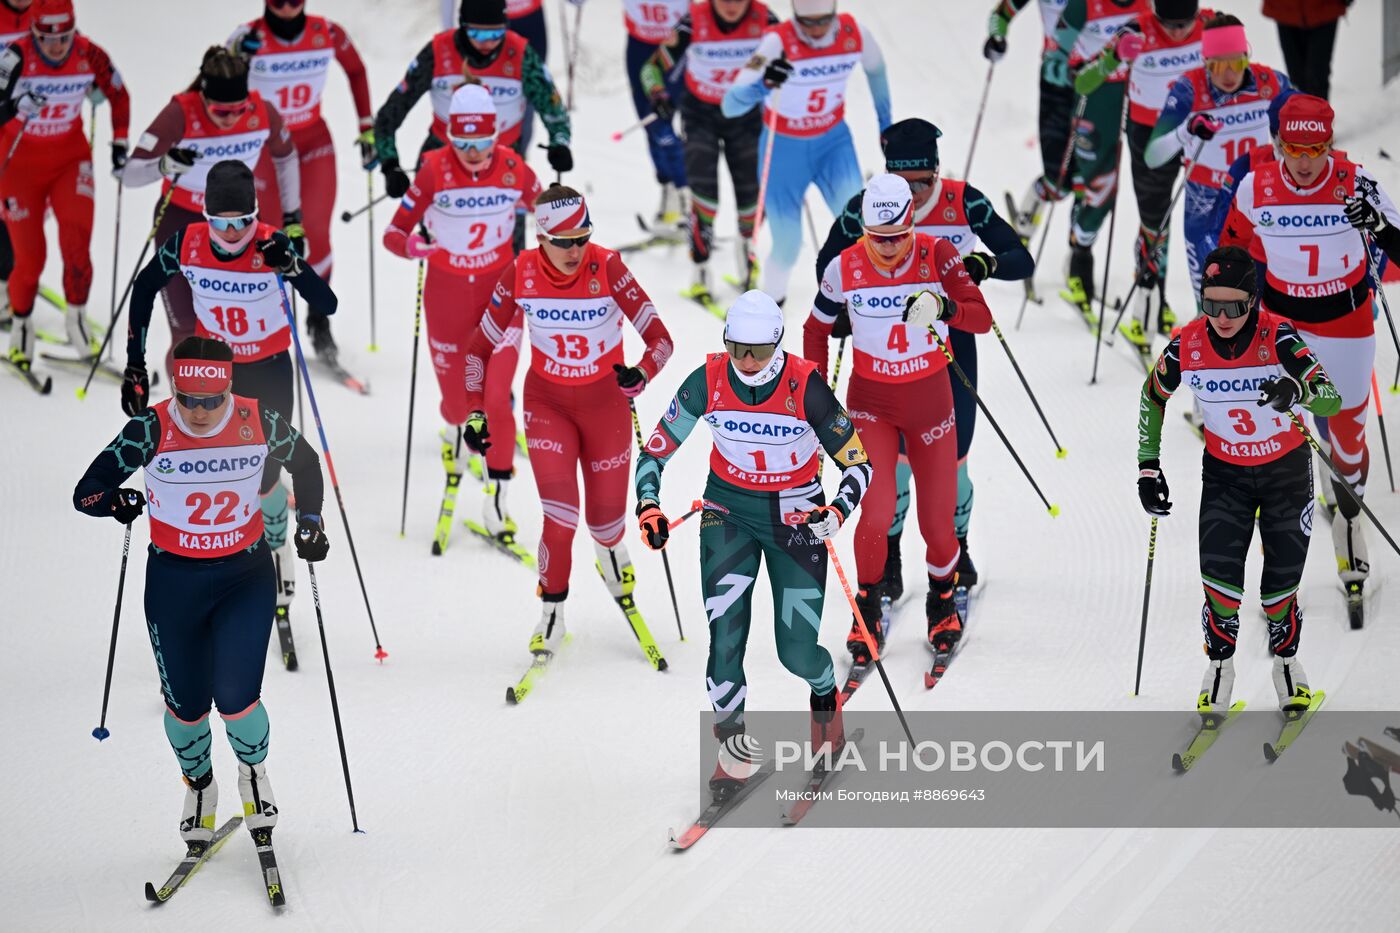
x,y
673,410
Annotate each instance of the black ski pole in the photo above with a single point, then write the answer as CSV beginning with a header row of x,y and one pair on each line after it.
x,y
373,340
1380,419
347,216
1385,302
977,126
1065,160
1112,224
1146,601
412,396
1060,451
116,246
1054,510
665,559
335,703
1044,235
379,653
117,308
301,414
101,732
1341,480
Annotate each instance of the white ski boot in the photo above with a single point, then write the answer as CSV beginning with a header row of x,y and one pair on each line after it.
x,y
1291,684
615,567
6,316
259,805
549,634
1027,216
494,515
1349,540
284,560
197,820
670,212
75,323
1216,688
747,264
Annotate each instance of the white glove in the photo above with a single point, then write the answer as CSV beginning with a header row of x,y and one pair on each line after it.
x,y
923,309
30,104
824,522
178,161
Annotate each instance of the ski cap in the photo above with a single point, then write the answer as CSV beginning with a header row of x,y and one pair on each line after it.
x,y
1275,106
556,217
754,318
1223,42
1229,267
483,12
887,202
202,377
230,188
813,7
910,146
1175,10
53,17
1305,120
472,113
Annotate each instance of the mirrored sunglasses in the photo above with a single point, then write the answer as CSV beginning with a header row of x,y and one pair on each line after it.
x,y
759,351
1233,63
569,242
486,35
207,402
888,237
1210,307
225,111
1297,151
474,144
230,223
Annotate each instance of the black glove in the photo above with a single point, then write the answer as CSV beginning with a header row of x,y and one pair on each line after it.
x,y
1152,488
560,158
136,391
980,266
311,541
178,161
250,44
1362,215
474,433
279,257
778,71
994,48
841,327
119,156
1282,393
396,181
291,226
127,505
663,106
631,379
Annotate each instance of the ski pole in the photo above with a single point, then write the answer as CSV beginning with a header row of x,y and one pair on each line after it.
x,y
1146,601
665,558
117,308
571,43
1380,419
977,126
1341,480
1044,235
101,732
767,163
695,506
1385,303
116,246
1112,223
335,704
347,216
1060,452
301,414
836,370
412,395
373,340
379,652
643,123
811,225
869,641
23,122
1065,160
1054,510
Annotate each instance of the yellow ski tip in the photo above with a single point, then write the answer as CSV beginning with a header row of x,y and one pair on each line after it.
x,y
1054,511
1062,453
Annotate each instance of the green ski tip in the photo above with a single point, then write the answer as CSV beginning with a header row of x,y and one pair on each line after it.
x,y
1054,511
80,392
374,348
1062,453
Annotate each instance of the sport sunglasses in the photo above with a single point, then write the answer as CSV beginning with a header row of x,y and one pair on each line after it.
x,y
759,351
569,242
230,223
226,111
1294,150
1210,307
486,35
888,237
815,21
475,144
207,402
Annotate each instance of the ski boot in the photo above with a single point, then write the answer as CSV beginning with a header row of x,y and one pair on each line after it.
x,y
1291,685
614,565
868,602
1166,317
1025,217
197,819
494,516
892,586
22,342
1353,559
670,212
75,324
739,757
259,805
285,565
944,624
1217,686
967,570
1079,283
700,292
6,316
319,327
828,732
747,264
549,633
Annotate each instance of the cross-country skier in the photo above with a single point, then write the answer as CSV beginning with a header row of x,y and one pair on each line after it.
x,y
574,295
1250,369
649,25
903,290
1158,47
772,415
210,583
955,211
1056,108
799,74
231,262
1320,281
14,26
1220,110
1088,28
709,43
48,162
503,60
468,197
217,118
289,57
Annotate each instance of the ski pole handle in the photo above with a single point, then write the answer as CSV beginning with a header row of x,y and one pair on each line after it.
x,y
643,123
347,216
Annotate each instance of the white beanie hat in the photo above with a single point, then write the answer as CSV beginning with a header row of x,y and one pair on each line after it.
x,y
754,318
813,7
472,112
887,202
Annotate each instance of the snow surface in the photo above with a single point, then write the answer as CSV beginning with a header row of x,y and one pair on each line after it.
x,y
552,815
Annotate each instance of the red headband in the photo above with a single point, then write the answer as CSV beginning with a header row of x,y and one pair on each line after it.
x,y
554,217
202,377
462,125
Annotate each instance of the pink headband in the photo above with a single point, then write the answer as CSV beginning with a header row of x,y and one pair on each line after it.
x,y
554,217
1224,42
